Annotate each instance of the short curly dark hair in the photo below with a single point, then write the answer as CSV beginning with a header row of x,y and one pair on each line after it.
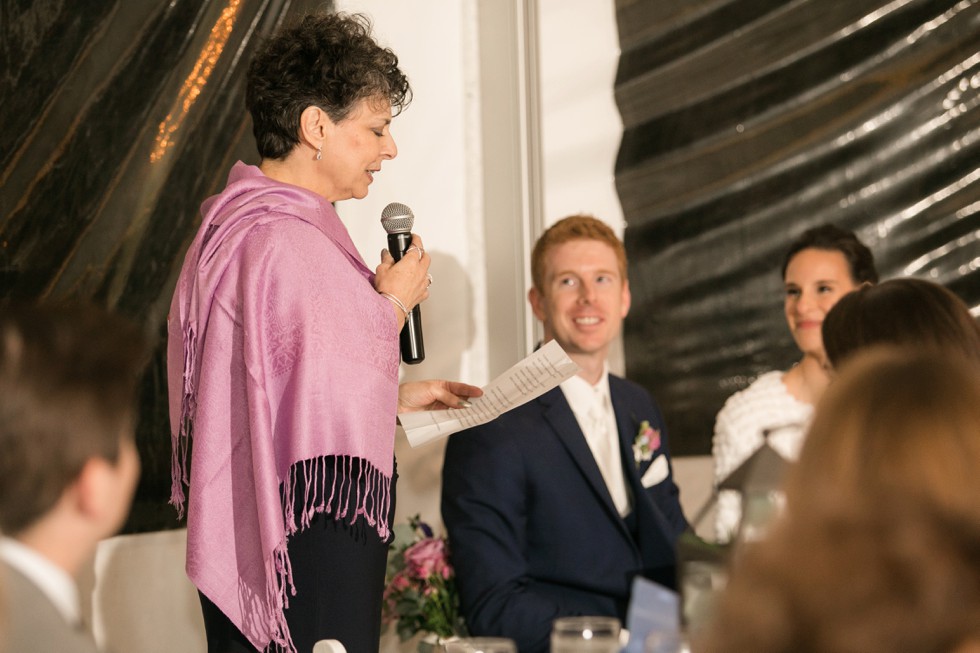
x,y
832,238
328,60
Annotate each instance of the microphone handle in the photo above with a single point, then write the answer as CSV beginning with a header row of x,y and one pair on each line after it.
x,y
412,348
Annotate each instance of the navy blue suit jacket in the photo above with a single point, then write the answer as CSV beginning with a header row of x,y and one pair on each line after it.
x,y
533,531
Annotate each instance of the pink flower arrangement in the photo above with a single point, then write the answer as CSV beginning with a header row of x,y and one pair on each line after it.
x,y
420,594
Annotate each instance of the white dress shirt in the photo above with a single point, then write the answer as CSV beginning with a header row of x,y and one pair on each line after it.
x,y
53,581
592,407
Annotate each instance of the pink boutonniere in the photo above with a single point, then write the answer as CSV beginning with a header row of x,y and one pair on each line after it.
x,y
647,441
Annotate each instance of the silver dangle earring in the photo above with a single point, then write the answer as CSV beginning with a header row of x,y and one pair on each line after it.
x,y
319,154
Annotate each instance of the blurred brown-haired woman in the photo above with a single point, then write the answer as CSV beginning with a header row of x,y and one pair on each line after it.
x,y
879,547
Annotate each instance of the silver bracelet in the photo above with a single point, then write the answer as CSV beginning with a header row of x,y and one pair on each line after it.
x,y
394,300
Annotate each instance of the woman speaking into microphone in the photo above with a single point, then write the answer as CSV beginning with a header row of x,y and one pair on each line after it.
x,y
283,357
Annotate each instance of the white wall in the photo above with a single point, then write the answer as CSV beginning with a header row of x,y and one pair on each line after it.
x,y
435,174
490,151
581,127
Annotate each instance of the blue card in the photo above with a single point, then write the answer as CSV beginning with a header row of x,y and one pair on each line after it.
x,y
652,608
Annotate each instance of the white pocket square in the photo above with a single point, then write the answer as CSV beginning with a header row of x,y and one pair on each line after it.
x,y
656,472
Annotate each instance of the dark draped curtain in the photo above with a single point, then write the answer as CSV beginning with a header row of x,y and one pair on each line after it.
x,y
747,122
117,118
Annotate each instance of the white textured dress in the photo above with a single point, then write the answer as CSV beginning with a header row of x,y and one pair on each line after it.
x,y
765,404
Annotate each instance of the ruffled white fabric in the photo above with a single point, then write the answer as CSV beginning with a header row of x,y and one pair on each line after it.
x,y
765,404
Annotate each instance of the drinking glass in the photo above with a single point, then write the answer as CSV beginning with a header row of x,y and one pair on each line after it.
x,y
481,645
585,635
664,641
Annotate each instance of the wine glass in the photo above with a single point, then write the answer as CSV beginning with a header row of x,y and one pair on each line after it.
x,y
481,645
585,635
665,641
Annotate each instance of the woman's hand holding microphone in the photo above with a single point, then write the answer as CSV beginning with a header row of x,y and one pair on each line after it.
x,y
404,283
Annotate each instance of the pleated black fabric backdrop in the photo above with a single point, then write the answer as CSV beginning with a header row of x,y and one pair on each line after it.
x,y
116,119
749,121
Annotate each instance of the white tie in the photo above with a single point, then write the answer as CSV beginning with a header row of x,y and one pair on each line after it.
x,y
605,449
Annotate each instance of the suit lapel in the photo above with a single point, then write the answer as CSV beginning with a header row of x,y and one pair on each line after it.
x,y
562,420
656,543
627,424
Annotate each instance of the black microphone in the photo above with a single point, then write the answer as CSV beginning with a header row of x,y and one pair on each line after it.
x,y
397,219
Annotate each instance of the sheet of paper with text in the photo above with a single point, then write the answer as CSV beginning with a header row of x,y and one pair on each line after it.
x,y
530,378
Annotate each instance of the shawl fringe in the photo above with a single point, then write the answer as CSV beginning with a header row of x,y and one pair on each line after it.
x,y
344,500
373,502
180,439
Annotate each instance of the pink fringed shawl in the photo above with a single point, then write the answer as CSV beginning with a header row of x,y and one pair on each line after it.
x,y
280,353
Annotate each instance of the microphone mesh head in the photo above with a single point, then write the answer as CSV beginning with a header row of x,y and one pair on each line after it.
x,y
397,218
